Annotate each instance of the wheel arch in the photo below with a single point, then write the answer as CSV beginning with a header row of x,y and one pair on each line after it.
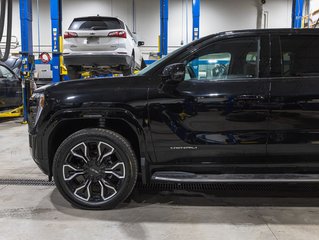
x,y
126,125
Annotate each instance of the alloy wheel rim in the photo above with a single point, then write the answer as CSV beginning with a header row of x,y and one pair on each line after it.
x,y
93,172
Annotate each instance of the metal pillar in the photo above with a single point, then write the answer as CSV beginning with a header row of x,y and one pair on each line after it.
x,y
134,15
196,18
297,12
26,51
56,19
163,28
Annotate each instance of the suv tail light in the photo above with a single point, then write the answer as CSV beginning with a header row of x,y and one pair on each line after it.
x,y
70,35
119,34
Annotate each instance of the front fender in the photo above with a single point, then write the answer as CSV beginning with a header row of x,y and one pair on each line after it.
x,y
99,115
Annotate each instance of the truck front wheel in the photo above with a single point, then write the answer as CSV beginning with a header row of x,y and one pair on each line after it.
x,y
95,169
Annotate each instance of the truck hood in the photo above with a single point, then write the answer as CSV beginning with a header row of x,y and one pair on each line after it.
x,y
76,93
110,82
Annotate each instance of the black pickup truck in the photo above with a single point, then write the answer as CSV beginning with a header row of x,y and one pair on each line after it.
x,y
237,106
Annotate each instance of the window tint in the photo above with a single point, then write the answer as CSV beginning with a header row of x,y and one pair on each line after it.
x,y
96,24
5,73
299,56
225,60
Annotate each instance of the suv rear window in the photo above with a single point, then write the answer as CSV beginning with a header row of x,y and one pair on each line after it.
x,y
96,24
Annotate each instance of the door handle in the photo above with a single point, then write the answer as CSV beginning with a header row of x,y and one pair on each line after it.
x,y
250,97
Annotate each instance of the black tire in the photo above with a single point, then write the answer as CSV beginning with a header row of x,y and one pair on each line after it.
x,y
130,70
74,72
127,72
143,64
106,179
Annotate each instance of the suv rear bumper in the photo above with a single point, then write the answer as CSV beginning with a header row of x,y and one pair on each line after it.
x,y
111,60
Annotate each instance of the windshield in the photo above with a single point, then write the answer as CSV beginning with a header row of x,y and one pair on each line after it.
x,y
153,65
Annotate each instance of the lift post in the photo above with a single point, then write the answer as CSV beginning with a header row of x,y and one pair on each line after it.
x,y
26,51
56,19
163,28
196,18
297,12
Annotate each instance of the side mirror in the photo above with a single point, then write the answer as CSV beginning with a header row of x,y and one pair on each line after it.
x,y
174,73
140,43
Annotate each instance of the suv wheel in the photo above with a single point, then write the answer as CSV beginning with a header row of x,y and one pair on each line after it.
x,y
130,70
95,169
143,64
74,72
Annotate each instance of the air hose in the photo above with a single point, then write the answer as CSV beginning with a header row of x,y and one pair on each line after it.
x,y
9,32
2,17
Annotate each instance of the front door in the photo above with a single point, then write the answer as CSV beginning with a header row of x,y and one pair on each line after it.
x,y
13,87
218,116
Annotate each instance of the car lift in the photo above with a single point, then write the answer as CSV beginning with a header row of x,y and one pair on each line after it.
x,y
56,35
26,52
163,42
163,39
57,40
27,47
196,18
297,12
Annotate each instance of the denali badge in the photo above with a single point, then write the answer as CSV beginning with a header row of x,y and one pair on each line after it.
x,y
183,148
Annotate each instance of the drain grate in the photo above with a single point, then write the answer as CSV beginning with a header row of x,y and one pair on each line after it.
x,y
25,182
295,189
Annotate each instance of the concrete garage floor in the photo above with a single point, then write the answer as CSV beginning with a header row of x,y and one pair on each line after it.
x,y
39,212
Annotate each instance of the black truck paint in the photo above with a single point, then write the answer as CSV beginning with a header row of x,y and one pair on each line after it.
x,y
266,122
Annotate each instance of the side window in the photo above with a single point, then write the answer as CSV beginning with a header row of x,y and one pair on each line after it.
x,y
5,73
210,66
229,59
299,56
251,57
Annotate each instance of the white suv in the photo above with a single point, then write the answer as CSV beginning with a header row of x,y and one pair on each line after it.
x,y
102,44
